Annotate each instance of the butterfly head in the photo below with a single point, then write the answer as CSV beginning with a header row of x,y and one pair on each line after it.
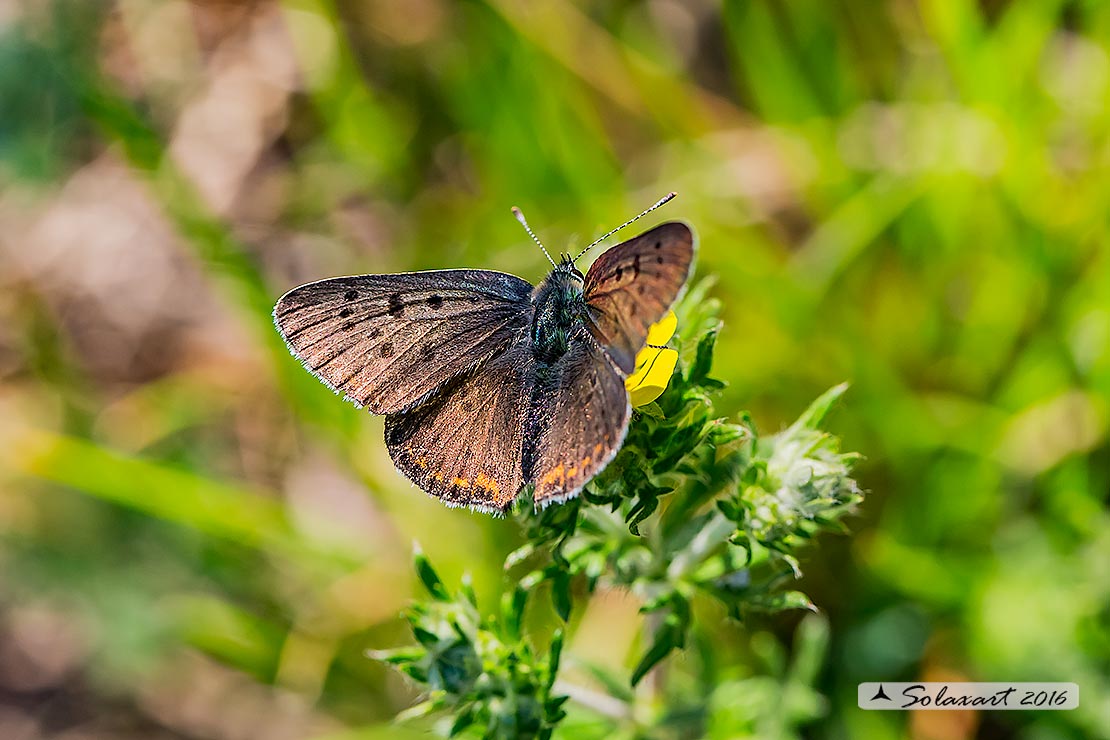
x,y
566,264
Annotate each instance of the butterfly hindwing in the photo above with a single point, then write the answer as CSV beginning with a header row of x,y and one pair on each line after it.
x,y
463,445
631,286
389,341
580,416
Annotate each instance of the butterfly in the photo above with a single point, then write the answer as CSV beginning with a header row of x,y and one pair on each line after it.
x,y
489,384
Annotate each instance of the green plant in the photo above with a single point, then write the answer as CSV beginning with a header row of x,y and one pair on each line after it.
x,y
692,505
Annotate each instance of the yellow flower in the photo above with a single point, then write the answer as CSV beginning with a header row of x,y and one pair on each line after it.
x,y
654,365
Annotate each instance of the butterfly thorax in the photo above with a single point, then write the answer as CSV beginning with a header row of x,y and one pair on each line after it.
x,y
557,308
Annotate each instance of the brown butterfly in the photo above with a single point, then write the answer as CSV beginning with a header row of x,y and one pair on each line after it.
x,y
489,384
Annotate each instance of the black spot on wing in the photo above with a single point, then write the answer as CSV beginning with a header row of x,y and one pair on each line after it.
x,y
345,313
350,295
435,300
396,305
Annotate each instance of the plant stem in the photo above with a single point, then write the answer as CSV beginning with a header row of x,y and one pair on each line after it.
x,y
715,532
603,704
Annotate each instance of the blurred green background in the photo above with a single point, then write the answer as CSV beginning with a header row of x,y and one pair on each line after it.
x,y
197,540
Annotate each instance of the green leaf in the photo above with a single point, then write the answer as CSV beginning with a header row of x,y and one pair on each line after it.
x,y
643,508
428,575
512,611
396,656
416,711
467,590
817,410
554,655
665,641
670,634
462,721
703,360
782,601
519,555
560,594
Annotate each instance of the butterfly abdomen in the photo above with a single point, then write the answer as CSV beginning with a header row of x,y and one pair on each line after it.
x,y
558,307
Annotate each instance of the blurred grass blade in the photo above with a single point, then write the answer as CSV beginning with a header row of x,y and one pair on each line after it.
x,y
214,508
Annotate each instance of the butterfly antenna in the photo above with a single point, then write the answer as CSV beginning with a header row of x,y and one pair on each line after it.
x,y
665,199
520,217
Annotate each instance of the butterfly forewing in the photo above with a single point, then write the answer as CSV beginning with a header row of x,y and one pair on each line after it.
x,y
580,416
464,444
631,286
389,341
